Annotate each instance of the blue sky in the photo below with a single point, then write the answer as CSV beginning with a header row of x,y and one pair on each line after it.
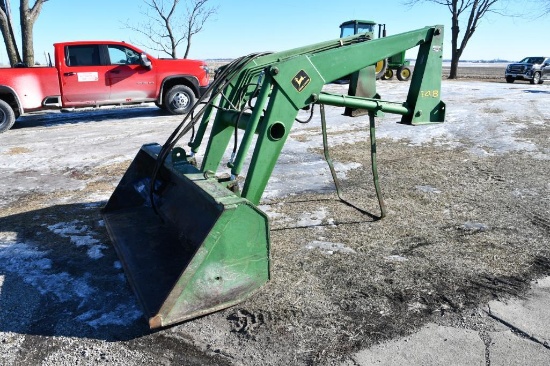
x,y
244,26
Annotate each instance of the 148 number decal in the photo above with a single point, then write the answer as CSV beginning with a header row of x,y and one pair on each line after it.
x,y
429,93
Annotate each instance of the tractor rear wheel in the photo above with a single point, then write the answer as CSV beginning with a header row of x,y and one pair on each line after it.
x,y
404,73
380,68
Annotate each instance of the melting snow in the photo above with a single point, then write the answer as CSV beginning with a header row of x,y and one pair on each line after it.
x,y
475,226
428,189
80,235
312,218
487,112
328,247
35,269
395,258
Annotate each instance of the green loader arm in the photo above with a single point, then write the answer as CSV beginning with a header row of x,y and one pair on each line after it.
x,y
292,80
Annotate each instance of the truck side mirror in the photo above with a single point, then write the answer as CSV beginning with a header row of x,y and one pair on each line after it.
x,y
145,62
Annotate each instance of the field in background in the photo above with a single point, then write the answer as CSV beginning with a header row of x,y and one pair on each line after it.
x,y
466,70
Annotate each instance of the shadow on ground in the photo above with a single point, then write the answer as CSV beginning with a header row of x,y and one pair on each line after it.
x,y
536,91
60,276
56,118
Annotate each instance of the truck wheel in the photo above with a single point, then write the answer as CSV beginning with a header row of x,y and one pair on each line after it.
x,y
536,78
179,99
403,73
510,79
388,75
7,117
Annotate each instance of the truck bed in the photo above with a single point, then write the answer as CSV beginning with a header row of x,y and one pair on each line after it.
x,y
37,82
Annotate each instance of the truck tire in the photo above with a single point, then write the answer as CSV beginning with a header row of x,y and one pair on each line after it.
x,y
403,73
541,80
179,99
510,79
536,78
7,116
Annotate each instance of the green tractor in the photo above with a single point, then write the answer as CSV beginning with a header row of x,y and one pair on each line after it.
x,y
387,68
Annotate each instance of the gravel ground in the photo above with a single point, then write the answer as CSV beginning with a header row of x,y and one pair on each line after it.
x,y
468,222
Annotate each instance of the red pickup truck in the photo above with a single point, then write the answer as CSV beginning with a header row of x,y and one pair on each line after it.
x,y
96,73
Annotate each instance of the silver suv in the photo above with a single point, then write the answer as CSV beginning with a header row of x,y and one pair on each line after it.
x,y
533,69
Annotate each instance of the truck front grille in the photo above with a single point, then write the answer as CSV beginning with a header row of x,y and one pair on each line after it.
x,y
517,69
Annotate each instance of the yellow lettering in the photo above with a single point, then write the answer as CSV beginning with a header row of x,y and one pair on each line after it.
x,y
429,93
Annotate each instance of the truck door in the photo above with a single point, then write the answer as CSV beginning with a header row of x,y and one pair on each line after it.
x,y
83,78
129,81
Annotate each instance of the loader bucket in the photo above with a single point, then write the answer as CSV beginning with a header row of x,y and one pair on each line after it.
x,y
202,250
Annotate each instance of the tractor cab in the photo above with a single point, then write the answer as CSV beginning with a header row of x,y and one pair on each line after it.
x,y
353,27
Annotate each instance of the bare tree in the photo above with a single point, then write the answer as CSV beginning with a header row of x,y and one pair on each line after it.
x,y
474,10
27,16
166,28
6,26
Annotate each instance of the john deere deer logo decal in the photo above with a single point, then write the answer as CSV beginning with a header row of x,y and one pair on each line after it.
x,y
301,80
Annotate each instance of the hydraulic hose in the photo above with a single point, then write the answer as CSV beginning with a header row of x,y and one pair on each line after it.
x,y
189,121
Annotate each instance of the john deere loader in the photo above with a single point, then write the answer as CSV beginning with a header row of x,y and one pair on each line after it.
x,y
191,237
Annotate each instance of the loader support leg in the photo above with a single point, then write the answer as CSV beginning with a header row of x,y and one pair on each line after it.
x,y
327,152
374,166
328,159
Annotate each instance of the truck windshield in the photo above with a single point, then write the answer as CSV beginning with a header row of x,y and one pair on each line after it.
x,y
532,60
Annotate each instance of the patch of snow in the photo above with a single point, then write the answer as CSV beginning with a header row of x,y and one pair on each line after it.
x,y
329,248
485,121
475,226
312,218
36,270
122,315
416,307
428,189
80,235
395,258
